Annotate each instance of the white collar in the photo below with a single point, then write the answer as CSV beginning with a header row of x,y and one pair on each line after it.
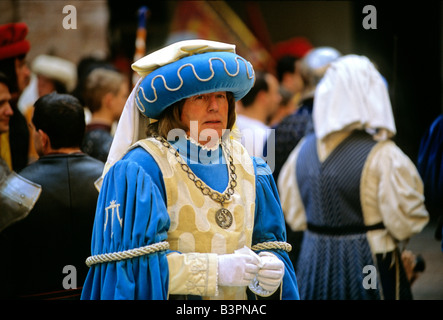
x,y
204,147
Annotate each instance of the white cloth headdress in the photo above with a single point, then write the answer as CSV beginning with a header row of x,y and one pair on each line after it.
x,y
353,94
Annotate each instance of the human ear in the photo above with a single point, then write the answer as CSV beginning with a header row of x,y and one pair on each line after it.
x,y
107,99
44,139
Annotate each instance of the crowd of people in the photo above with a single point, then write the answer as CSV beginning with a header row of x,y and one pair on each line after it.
x,y
206,179
56,126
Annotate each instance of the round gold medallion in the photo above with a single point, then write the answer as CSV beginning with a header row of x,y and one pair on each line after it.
x,y
223,217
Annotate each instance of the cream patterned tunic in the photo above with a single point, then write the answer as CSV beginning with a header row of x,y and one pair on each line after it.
x,y
194,231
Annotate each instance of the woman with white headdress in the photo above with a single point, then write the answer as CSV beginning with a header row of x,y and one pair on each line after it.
x,y
353,190
183,209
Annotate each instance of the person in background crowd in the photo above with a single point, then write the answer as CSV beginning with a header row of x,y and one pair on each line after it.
x,y
293,127
13,50
258,106
287,55
105,95
57,232
430,166
5,116
84,68
86,65
17,194
289,77
296,125
53,74
287,106
353,190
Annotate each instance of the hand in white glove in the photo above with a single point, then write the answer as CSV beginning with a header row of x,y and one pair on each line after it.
x,y
271,273
236,269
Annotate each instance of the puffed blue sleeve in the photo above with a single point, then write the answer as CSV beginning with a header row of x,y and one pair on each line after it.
x,y
269,224
130,214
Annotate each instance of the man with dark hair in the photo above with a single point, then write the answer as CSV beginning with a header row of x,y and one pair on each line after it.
x,y
47,250
58,122
13,50
17,195
5,115
258,106
288,74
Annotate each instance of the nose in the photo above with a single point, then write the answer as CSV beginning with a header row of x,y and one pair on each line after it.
x,y
9,111
279,98
212,103
26,70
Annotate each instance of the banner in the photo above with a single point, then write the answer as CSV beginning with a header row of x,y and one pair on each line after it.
x,y
215,20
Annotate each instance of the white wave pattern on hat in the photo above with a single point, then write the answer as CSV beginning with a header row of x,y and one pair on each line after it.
x,y
353,94
139,103
203,71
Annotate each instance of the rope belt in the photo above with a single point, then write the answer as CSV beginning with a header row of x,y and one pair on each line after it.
x,y
127,254
161,246
272,245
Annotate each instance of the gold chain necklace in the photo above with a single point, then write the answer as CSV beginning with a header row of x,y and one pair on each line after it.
x,y
223,217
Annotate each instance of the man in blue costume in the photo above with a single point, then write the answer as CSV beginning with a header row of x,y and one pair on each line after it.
x,y
430,167
183,209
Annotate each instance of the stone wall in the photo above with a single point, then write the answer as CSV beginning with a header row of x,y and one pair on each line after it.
x,y
49,31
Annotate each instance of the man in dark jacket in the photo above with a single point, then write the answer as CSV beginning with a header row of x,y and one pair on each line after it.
x,y
46,251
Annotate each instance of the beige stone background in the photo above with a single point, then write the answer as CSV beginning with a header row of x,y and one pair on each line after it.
x,y
52,38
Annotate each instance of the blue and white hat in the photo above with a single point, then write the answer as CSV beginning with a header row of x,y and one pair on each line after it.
x,y
188,68
176,72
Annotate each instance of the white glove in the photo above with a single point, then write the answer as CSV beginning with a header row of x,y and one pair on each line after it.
x,y
236,269
271,273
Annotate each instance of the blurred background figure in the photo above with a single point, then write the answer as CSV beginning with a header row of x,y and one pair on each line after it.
x,y
292,128
258,106
289,77
287,55
430,166
17,195
52,74
85,66
105,96
353,190
13,50
57,231
286,107
313,67
6,113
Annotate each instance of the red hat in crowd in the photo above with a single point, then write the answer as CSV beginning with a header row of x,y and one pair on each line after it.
x,y
297,47
12,40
